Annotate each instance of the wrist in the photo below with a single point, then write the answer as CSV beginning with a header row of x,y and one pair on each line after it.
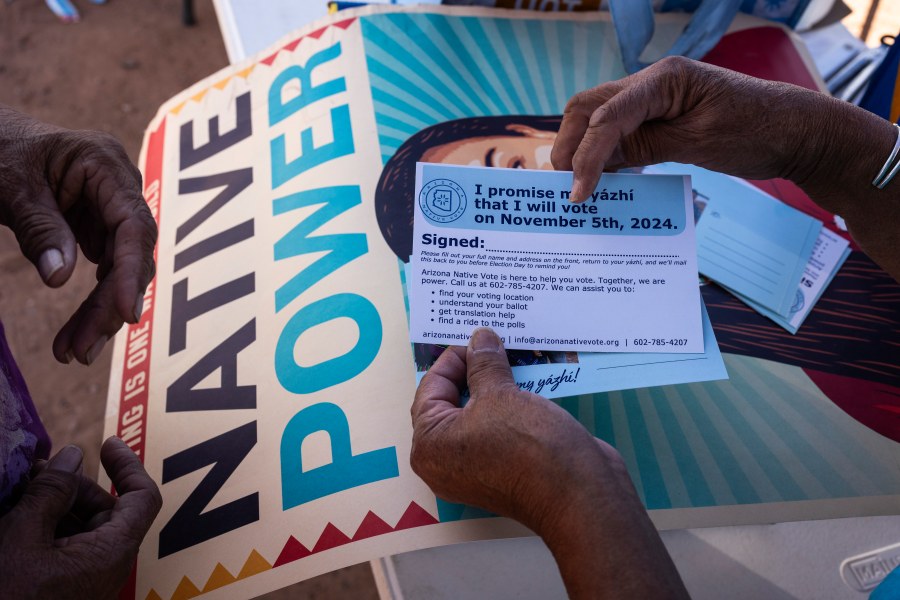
x,y
602,538
591,480
839,149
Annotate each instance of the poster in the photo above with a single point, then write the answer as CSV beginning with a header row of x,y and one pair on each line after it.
x,y
268,383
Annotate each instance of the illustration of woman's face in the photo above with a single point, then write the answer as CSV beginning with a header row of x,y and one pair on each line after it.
x,y
529,150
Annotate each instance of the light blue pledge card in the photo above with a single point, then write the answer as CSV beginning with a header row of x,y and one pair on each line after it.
x,y
562,374
828,255
504,248
753,244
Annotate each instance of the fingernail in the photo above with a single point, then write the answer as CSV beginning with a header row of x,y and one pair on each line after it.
x,y
138,308
69,356
95,350
50,262
484,340
68,459
573,193
577,196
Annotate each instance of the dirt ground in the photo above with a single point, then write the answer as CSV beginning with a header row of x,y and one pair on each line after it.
x,y
111,71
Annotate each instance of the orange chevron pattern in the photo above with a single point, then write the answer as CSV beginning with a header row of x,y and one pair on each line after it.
x,y
243,74
220,578
185,590
331,537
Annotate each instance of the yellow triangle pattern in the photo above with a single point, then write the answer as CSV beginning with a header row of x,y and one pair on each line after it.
x,y
185,590
219,85
220,577
255,565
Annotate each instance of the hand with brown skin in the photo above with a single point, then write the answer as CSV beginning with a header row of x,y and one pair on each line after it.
x,y
67,537
519,455
61,189
685,111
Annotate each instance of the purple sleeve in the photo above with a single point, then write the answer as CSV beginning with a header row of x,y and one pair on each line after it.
x,y
23,438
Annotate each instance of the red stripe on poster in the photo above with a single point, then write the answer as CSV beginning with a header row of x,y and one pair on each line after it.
x,y
132,426
133,396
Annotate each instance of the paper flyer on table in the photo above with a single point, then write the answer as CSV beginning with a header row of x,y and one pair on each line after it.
x,y
829,253
826,256
268,383
748,241
556,374
504,248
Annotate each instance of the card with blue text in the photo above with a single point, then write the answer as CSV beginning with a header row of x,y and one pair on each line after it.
x,y
504,248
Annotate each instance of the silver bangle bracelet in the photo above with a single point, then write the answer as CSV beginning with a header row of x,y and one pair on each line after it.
x,y
886,173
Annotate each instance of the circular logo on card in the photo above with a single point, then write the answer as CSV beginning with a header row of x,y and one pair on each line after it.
x,y
442,200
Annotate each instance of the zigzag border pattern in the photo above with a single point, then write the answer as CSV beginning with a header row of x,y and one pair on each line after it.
x,y
268,61
331,537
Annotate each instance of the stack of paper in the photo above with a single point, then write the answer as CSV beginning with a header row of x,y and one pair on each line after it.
x,y
776,259
588,297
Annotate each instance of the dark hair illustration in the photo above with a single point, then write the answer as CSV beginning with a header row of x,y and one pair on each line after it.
x,y
394,194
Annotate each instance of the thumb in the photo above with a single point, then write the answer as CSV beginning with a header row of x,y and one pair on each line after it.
x,y
487,366
50,495
45,238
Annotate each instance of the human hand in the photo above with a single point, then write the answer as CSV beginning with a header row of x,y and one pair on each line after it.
x,y
691,112
508,451
519,455
61,188
67,537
